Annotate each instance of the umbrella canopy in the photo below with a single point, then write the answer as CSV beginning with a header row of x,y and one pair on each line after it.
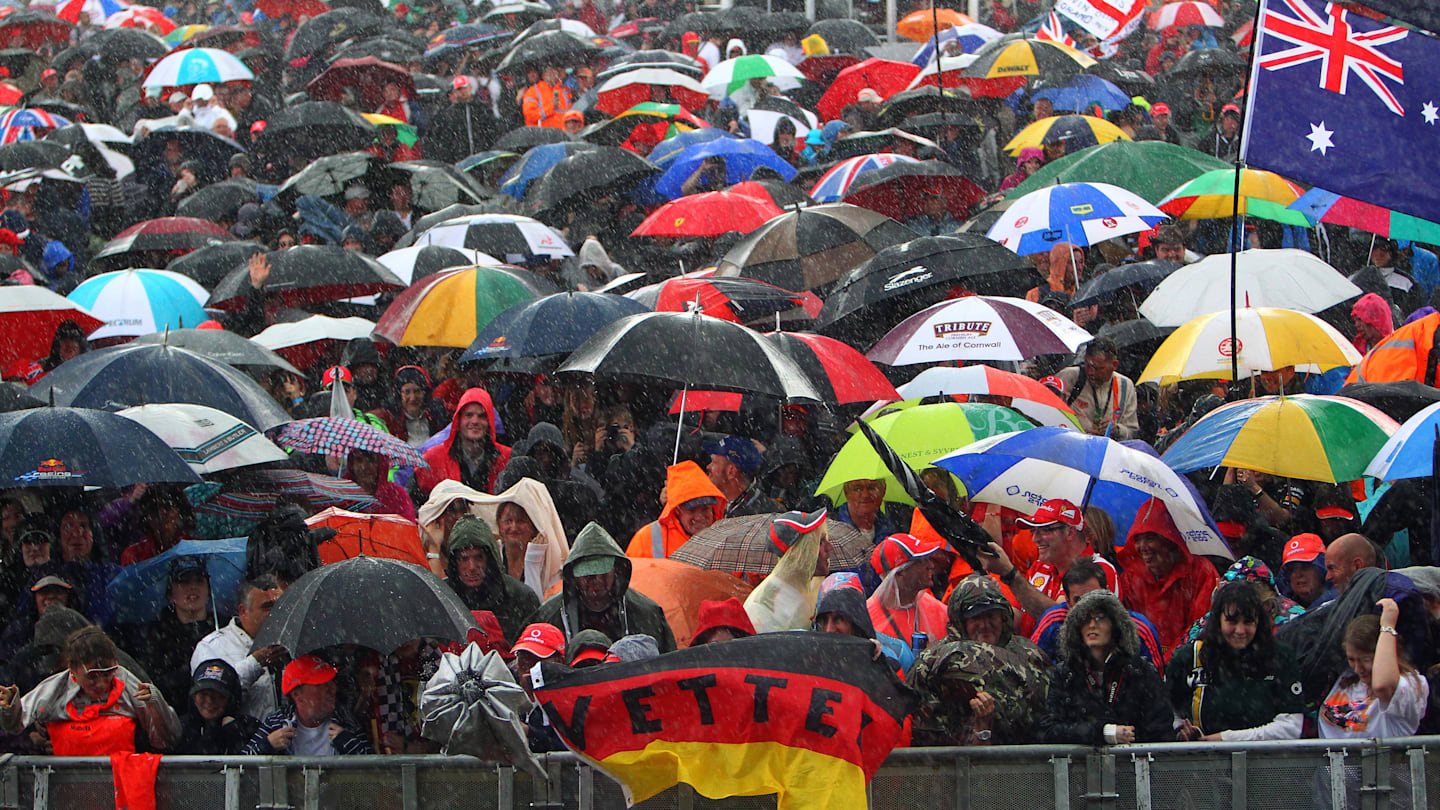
x,y
330,174
524,138
79,447
741,300
584,178
1410,450
1399,400
30,315
1084,92
950,72
923,100
145,17
168,234
306,341
702,352
140,302
414,263
1183,15
450,308
1030,397
844,35
741,208
547,48
327,435
309,274
922,25
222,345
235,508
120,376
1208,61
1319,205
968,38
210,441
898,190
1142,276
1006,57
435,184
367,75
742,545
979,327
197,66
313,129
15,396
1313,438
742,157
1080,213
881,75
1285,278
325,607
841,374
623,91
1020,470
20,125
811,248
1212,196
550,325
732,74
1075,131
1269,340
837,180
647,118
509,236
360,535
535,163
142,589
219,201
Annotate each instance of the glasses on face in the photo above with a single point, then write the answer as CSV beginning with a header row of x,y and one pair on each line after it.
x,y
101,673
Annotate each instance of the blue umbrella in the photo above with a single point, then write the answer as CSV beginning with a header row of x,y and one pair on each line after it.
x,y
79,447
742,157
1083,92
1410,452
555,324
667,150
139,591
971,38
536,162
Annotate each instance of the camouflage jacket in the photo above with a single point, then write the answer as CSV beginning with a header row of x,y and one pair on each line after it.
x,y
950,673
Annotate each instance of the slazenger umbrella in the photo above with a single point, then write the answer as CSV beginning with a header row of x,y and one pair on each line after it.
x,y
1284,278
450,308
309,274
1080,213
208,440
1020,470
742,545
30,315
78,447
141,302
979,327
1269,339
369,602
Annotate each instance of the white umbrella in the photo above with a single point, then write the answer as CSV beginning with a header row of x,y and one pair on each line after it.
x,y
402,262
979,327
303,342
208,440
197,66
727,76
509,235
1284,279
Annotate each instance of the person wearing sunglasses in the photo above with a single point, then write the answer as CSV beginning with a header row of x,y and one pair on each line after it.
x,y
94,706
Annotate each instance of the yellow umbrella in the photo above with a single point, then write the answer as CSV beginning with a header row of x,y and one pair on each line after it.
x,y
1212,196
1080,130
1269,338
405,133
450,308
1026,57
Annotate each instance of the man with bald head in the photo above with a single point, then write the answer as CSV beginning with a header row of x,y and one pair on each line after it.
x,y
1348,554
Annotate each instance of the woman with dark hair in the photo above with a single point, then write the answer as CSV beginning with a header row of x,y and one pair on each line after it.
x,y
1235,682
84,559
417,415
1381,695
165,517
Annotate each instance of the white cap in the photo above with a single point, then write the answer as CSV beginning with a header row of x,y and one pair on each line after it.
x,y
203,92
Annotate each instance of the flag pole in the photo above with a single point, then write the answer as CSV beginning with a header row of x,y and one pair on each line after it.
x,y
1235,208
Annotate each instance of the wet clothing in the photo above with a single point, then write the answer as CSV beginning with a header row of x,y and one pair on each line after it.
x,y
505,596
80,726
166,644
447,460
1182,596
1351,710
1096,408
232,644
307,742
683,482
1244,698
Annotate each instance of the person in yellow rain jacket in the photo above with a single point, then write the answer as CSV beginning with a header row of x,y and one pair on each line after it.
x,y
692,503
545,103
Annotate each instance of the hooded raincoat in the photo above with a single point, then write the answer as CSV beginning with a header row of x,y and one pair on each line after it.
x,y
683,482
446,459
505,596
1176,600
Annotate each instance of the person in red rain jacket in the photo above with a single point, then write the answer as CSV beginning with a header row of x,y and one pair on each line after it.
x,y
470,454
1161,578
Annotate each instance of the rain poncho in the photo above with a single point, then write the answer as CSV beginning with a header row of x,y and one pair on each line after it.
x,y
683,482
785,599
51,702
1373,310
543,561
923,614
1183,595
499,593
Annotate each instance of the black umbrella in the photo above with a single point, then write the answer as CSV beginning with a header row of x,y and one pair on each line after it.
x,y
523,138
79,447
585,178
212,263
1211,61
1133,82
313,129
331,174
122,44
117,377
222,345
334,26
770,25
60,107
44,154
811,248
445,214
1135,339
386,48
309,274
16,397
701,22
845,36
18,62
901,280
668,60
921,100
370,602
691,349
547,48
1139,274
517,13
435,184
1401,400
219,201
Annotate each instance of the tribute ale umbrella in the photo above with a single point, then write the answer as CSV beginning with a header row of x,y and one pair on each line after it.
x,y
449,308
1283,278
811,248
222,345
141,301
210,441
550,325
29,316
309,274
79,447
979,328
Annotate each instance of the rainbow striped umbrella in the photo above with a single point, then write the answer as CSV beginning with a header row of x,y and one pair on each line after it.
x,y
1212,196
1314,438
835,184
450,307
1319,205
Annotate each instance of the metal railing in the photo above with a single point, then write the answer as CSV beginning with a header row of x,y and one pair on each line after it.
x,y
1364,774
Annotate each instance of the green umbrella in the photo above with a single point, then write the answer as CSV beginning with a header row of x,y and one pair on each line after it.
x,y
1151,169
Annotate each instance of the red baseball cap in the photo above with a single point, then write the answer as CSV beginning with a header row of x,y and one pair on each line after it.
x,y
1230,108
48,72
328,378
540,640
1334,513
898,549
1160,109
1056,510
306,670
1054,382
461,82
1306,548
589,654
257,127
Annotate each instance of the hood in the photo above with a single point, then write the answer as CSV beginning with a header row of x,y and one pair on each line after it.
x,y
685,482
592,254
472,532
729,614
734,44
1152,518
1098,603
1061,275
594,541
850,603
978,593
1250,569
544,433
56,625
1029,153
1375,311
481,396
360,351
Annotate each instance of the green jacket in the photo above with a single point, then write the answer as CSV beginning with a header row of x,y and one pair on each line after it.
x,y
507,597
628,612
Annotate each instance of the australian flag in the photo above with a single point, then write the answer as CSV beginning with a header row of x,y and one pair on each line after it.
x,y
1343,99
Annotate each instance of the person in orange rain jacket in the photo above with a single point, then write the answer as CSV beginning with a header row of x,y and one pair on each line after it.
x,y
692,502
546,101
1408,353
1162,579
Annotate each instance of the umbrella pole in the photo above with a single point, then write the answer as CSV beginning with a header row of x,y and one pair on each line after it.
x,y
1238,234
680,426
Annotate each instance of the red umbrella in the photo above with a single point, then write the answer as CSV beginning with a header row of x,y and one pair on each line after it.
x,y
633,87
740,300
840,373
1244,34
10,94
178,234
367,74
898,190
821,69
28,318
712,213
635,28
275,9
33,29
884,76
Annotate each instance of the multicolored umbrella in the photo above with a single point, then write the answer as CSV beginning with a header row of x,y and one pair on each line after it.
x,y
143,17
1269,339
970,37
742,207
450,308
1212,196
1079,213
1026,57
979,327
732,74
1283,278
140,301
1149,169
1076,131
1319,205
327,435
1024,394
835,183
1313,438
663,121
184,33
884,76
949,72
623,92
1410,451
209,440
29,316
20,124
197,66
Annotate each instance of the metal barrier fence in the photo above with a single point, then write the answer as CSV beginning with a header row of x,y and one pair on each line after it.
x,y
1395,773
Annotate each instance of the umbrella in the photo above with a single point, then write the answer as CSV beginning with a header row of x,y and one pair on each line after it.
x,y
550,325
1284,278
150,19
331,436
1030,397
294,9
1105,287
979,327
481,165
950,72
15,396
304,342
1130,80
30,315
435,184
1212,196
197,66
209,265
309,274
623,91
894,283
1410,450
210,441
732,74
139,302
1020,470
330,174
524,138
1006,57
837,180
120,376
811,248
1208,61
326,607
1137,340
742,300
317,34
472,705
742,157
881,75
507,235
1269,340
165,234
1313,438
21,155
313,129
219,201
662,120
1079,213
33,29
367,74
1319,205
141,590
585,178
20,124
861,143
840,373
233,509
743,208
358,534
184,33
898,190
921,100
1183,15
668,60
78,447
535,163
707,353
414,263
546,48
922,25
222,345
1075,131
450,308
1084,92
212,151
968,38
1399,400
741,545
844,35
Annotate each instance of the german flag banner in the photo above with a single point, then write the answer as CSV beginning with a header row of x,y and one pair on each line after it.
x,y
809,716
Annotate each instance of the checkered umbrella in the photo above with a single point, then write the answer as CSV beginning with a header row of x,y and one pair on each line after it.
x,y
330,435
742,545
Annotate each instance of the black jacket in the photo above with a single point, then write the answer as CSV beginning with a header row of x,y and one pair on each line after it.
x,y
225,737
164,649
346,742
1077,713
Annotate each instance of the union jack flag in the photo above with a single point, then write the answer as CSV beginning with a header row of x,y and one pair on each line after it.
x,y
1340,49
1053,30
